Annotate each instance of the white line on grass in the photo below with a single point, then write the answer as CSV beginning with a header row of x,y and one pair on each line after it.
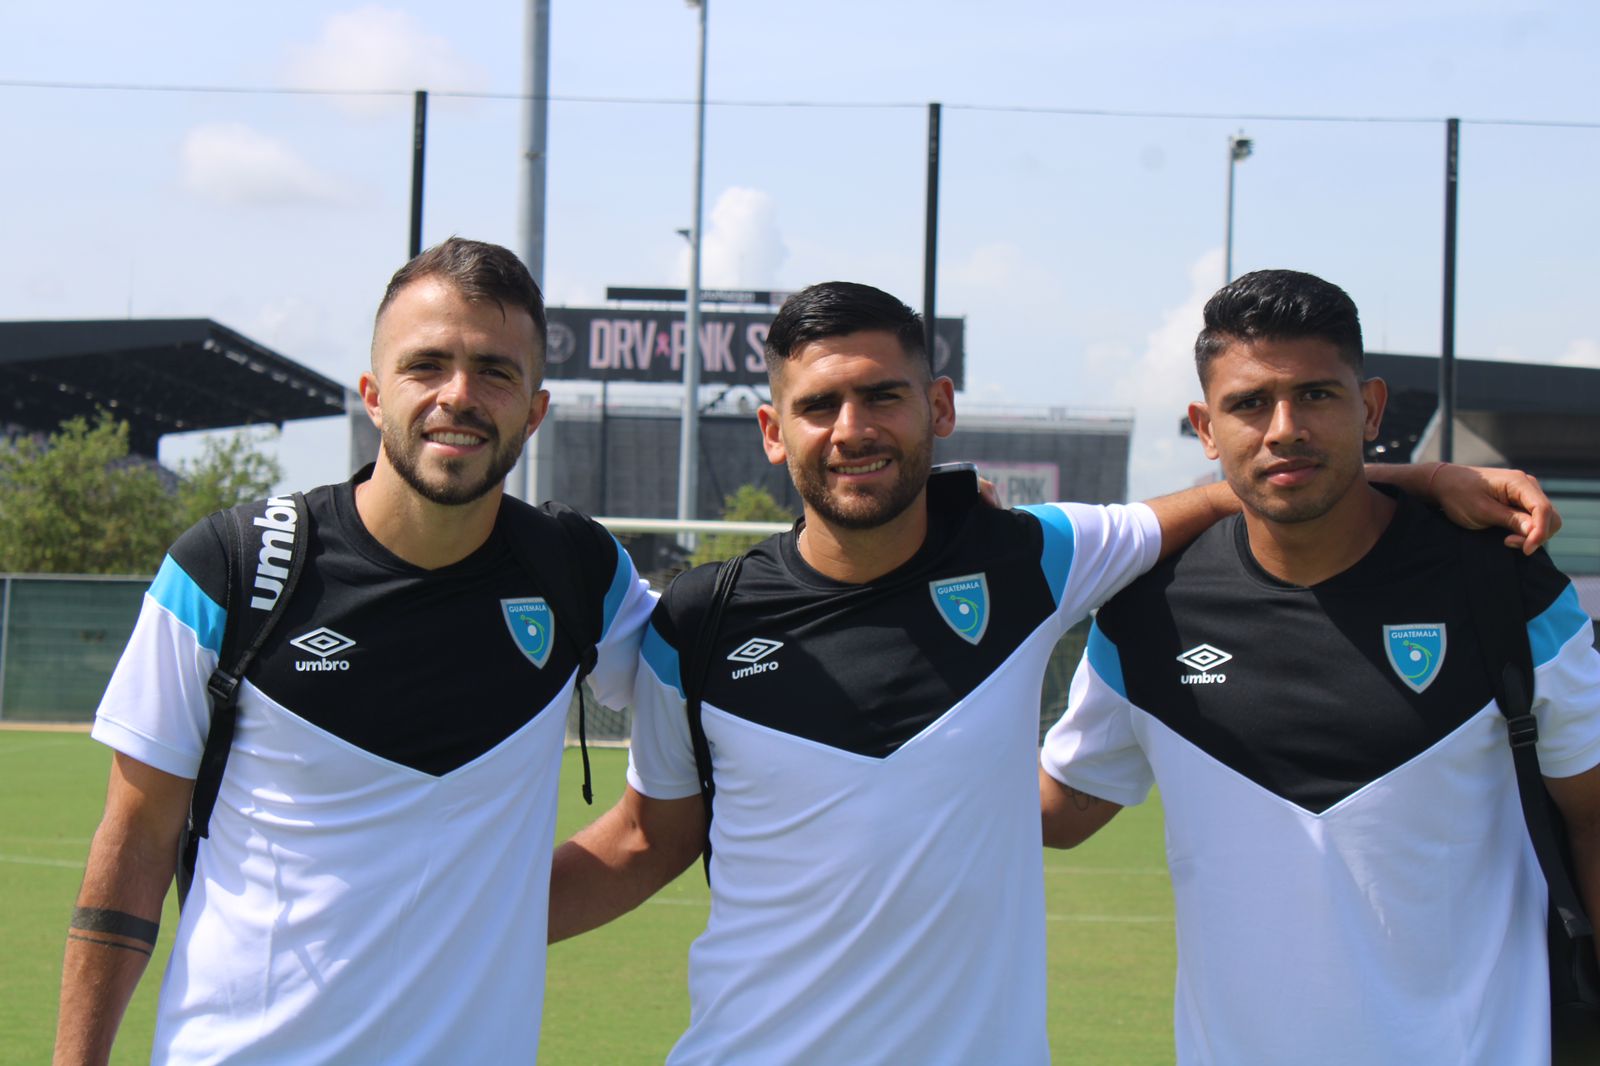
x,y
29,860
12,749
1115,871
1115,919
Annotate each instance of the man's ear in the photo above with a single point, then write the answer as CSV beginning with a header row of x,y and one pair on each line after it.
x,y
368,386
1200,419
771,435
942,398
1375,396
536,411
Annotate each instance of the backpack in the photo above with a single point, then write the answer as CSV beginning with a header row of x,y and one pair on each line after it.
x,y
535,536
1495,593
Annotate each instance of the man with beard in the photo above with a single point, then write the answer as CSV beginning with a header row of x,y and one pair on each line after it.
x,y
871,714
372,888
1353,877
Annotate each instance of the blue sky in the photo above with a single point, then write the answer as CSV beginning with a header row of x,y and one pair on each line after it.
x,y
1079,247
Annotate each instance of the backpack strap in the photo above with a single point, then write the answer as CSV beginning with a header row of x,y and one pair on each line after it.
x,y
550,546
698,667
1494,589
246,627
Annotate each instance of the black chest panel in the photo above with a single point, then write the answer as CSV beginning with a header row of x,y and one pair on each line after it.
x,y
1310,705
419,667
865,668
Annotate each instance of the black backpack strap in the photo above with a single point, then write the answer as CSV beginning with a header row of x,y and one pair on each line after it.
x,y
697,667
1495,591
244,634
550,545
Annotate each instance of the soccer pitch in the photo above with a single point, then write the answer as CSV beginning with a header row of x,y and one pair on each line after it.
x,y
614,996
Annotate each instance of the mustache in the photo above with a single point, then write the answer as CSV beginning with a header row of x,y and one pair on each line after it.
x,y
464,420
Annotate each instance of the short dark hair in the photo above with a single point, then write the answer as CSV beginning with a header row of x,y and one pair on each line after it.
x,y
838,308
1279,305
478,271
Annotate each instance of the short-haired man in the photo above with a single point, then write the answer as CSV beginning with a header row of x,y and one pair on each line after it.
x,y
373,886
871,715
1353,878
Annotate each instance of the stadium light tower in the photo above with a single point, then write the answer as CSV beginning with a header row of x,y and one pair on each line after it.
x,y
1239,147
689,436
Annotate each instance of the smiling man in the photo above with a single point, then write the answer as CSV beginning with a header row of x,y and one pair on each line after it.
x,y
1353,877
373,886
871,716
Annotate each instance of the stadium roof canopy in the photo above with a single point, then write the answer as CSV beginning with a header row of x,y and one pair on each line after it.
x,y
160,375
1542,418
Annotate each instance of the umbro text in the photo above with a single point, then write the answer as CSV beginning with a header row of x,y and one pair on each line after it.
x,y
1203,679
753,668
302,665
277,542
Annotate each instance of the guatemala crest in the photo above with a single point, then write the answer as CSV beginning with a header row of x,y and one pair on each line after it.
x,y
533,627
1416,652
963,603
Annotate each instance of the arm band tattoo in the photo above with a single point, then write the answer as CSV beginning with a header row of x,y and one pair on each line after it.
x,y
117,923
109,943
1082,800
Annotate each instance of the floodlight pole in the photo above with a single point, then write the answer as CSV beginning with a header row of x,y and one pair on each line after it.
x,y
1447,337
930,244
1239,147
533,479
419,145
689,435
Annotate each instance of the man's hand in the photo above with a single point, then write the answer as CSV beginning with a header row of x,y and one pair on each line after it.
x,y
1478,497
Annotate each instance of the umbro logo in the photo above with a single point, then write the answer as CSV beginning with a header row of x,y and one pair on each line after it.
x,y
1204,658
323,643
753,652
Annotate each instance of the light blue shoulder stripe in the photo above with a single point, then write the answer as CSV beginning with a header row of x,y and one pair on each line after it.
x,y
1549,632
661,657
1059,542
620,580
175,590
1106,661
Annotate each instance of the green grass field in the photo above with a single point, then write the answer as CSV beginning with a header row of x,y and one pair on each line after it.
x,y
616,996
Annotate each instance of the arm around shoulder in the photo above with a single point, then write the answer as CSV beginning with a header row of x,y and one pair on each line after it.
x,y
621,859
113,930
1068,816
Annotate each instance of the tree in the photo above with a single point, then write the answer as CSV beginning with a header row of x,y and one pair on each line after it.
x,y
749,503
77,503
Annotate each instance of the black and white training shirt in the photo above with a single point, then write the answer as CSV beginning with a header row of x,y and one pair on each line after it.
x,y
1353,878
876,887
375,885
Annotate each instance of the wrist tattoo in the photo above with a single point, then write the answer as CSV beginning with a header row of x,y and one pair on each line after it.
x,y
115,923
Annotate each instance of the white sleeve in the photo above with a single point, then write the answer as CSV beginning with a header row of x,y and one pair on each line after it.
x,y
155,708
1091,552
1566,685
660,755
628,604
1093,747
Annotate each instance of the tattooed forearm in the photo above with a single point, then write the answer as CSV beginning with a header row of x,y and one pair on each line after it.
x,y
1082,800
117,929
109,943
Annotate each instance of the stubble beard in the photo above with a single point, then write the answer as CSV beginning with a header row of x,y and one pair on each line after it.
x,y
404,454
1257,495
865,510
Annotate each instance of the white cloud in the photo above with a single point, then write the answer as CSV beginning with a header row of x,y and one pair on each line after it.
x,y
234,164
1584,351
1159,385
378,48
742,246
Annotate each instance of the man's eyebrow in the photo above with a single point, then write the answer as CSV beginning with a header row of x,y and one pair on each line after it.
x,y
1299,386
886,385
